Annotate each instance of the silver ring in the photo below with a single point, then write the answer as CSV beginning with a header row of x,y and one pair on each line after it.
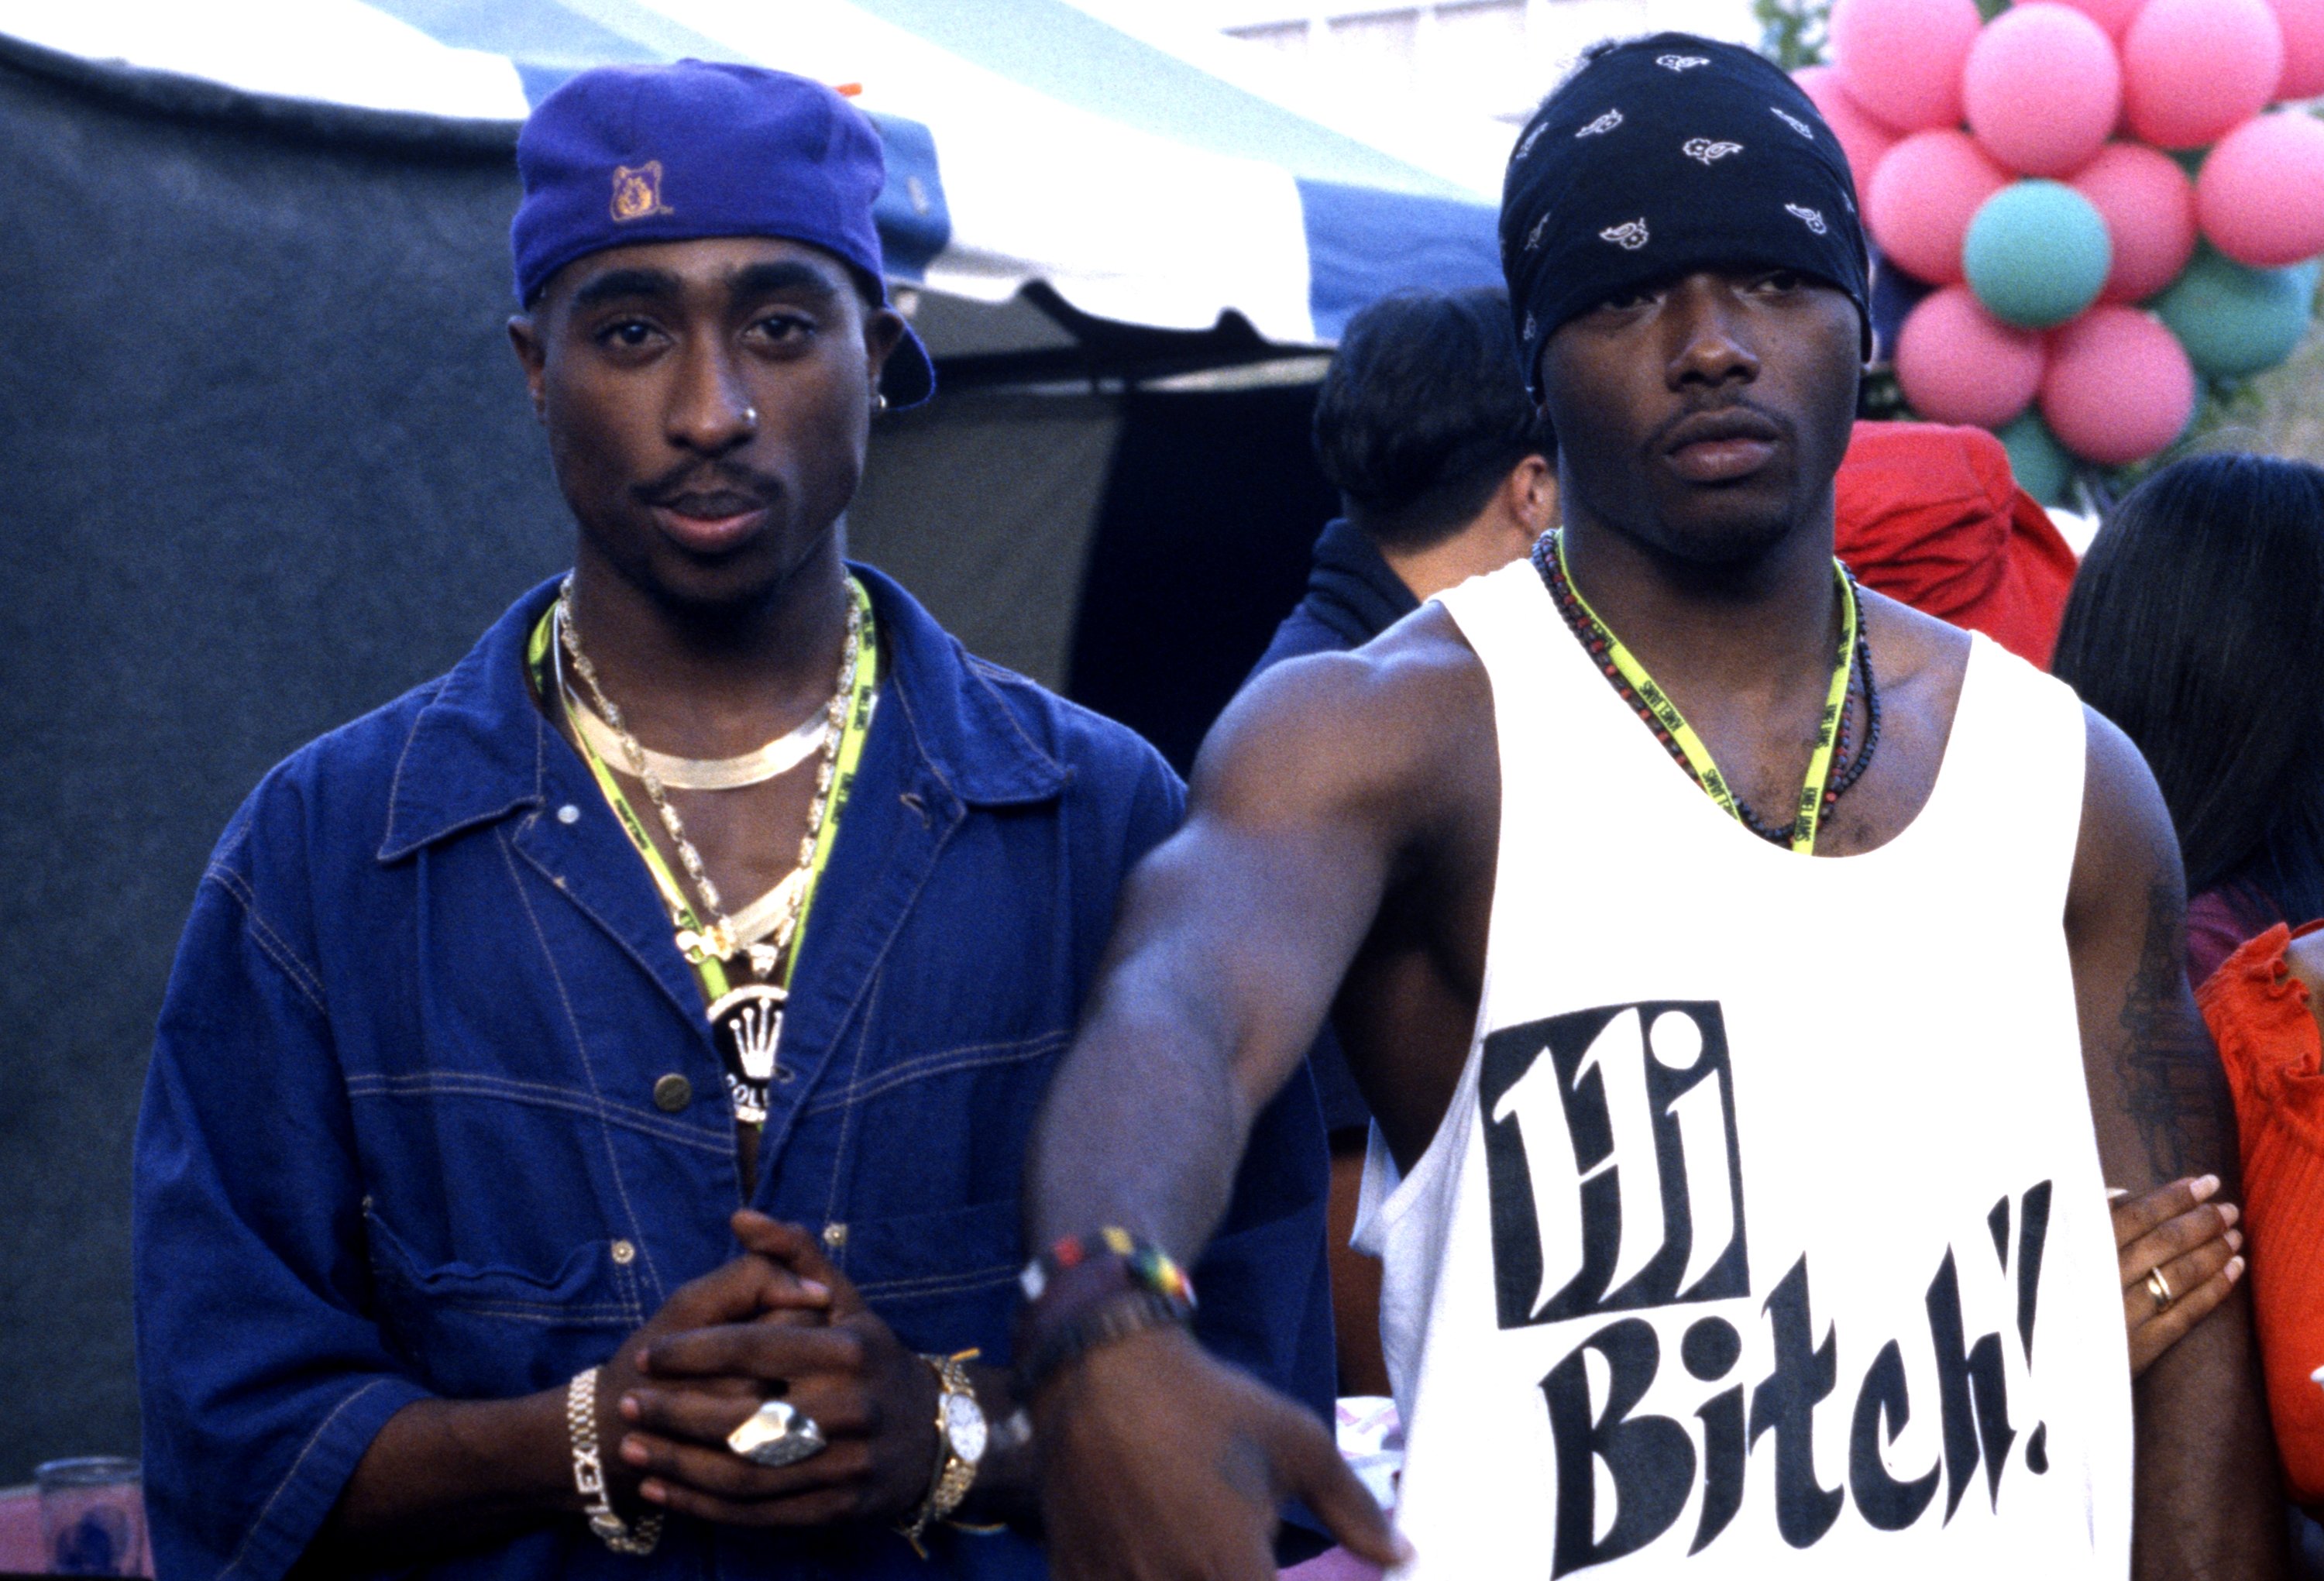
x,y
776,1434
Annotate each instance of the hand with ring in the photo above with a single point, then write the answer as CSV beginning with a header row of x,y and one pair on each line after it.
x,y
2179,1254
766,1423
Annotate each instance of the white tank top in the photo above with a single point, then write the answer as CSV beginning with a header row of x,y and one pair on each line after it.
x,y
1765,1232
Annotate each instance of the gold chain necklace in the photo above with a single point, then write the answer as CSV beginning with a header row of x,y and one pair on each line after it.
x,y
719,938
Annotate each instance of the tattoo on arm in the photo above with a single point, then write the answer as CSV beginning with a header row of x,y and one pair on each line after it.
x,y
2172,1083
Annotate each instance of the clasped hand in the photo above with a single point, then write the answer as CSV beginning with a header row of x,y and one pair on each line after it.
x,y
779,1322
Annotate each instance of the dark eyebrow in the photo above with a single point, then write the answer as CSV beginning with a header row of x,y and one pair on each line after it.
x,y
787,277
616,284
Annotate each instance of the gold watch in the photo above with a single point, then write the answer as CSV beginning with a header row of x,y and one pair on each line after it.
x,y
961,1437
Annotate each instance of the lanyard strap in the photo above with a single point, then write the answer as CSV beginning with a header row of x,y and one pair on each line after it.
x,y
1690,746
684,919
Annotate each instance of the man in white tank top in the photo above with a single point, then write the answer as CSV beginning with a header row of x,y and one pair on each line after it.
x,y
1757,984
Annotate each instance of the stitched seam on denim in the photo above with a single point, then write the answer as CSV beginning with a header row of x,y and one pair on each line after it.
x,y
270,944
940,1283
985,673
581,1048
534,1093
395,781
242,1550
929,1066
545,1312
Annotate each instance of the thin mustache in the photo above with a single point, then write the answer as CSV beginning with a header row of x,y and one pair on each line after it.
x,y
1660,437
718,478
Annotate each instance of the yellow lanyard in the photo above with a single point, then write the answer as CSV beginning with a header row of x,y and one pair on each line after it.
x,y
1689,745
708,968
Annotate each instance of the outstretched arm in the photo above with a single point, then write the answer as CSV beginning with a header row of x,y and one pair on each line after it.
x,y
1315,795
2206,1500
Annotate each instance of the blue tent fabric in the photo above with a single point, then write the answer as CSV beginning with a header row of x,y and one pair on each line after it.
x,y
1363,243
1028,142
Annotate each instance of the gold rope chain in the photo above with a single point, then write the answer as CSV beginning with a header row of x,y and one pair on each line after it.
x,y
719,938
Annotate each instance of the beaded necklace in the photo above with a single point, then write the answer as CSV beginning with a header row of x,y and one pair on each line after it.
x,y
1603,648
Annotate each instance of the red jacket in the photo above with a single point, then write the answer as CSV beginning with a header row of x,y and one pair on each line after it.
x,y
1931,516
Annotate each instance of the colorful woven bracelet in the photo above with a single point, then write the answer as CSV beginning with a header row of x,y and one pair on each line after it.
x,y
1086,1291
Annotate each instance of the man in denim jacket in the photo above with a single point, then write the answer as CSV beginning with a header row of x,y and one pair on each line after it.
x,y
443,1254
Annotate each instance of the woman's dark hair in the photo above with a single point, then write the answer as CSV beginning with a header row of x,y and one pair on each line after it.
x,y
2197,624
1423,413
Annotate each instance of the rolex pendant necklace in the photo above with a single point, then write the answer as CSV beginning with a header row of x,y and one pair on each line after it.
x,y
746,1020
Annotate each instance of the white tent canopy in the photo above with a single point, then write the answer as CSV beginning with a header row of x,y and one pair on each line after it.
x,y
1028,141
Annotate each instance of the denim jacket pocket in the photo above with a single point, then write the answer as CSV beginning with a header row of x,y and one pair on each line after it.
x,y
944,1281
491,1332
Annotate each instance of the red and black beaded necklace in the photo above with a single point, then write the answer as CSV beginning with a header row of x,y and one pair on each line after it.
x,y
1599,643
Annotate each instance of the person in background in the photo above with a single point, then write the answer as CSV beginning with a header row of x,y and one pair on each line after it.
x,y
1931,516
2265,1007
1425,426
2196,625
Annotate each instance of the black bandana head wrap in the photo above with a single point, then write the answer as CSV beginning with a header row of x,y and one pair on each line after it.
x,y
1663,156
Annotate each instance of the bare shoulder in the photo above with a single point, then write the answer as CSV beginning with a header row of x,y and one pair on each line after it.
x,y
1911,650
2126,847
1381,727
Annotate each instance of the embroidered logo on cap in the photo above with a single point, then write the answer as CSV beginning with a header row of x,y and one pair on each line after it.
x,y
1681,62
1806,216
1794,122
1533,237
1707,152
1526,147
637,193
1604,123
1629,237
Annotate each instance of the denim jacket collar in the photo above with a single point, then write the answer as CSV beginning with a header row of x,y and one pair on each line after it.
x,y
479,750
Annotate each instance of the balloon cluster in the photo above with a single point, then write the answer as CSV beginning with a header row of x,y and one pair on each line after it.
x,y
2035,169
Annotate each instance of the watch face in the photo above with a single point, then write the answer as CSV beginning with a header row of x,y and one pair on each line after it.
x,y
964,1427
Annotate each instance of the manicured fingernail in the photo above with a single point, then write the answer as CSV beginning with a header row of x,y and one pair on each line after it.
x,y
2235,1240
2206,1186
2229,1212
2234,1269
2116,1194
1404,1552
633,1452
816,1288
630,1409
653,1493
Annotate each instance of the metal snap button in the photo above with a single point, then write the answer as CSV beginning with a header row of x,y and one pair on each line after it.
x,y
568,814
672,1093
624,1254
835,1236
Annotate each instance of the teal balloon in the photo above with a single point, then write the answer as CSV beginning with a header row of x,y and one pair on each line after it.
x,y
2234,320
2037,254
2037,459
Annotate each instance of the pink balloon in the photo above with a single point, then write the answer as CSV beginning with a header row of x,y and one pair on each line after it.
x,y
2191,69
2043,88
1862,139
1902,60
2302,22
1922,198
2119,387
1957,363
2149,208
2260,194
2113,15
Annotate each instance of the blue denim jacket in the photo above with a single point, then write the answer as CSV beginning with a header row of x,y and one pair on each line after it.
x,y
400,1138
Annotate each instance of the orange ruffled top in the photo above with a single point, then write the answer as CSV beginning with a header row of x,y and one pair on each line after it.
x,y
2274,1057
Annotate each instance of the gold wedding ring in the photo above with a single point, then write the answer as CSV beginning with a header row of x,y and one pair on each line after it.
x,y
2160,1289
